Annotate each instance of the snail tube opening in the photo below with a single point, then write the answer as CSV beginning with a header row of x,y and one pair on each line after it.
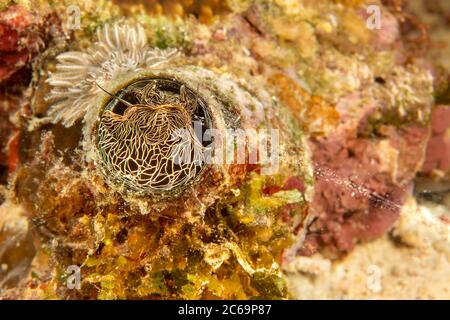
x,y
150,136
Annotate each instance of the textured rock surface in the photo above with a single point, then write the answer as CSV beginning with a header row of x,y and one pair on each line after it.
x,y
410,266
355,109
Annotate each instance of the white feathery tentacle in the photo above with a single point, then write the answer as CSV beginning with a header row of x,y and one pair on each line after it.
x,y
118,50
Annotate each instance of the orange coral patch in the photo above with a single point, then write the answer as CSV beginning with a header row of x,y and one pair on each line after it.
x,y
314,114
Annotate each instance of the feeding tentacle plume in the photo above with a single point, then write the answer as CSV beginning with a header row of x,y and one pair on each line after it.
x,y
151,146
119,49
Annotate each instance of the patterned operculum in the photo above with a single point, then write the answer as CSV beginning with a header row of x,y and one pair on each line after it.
x,y
149,143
